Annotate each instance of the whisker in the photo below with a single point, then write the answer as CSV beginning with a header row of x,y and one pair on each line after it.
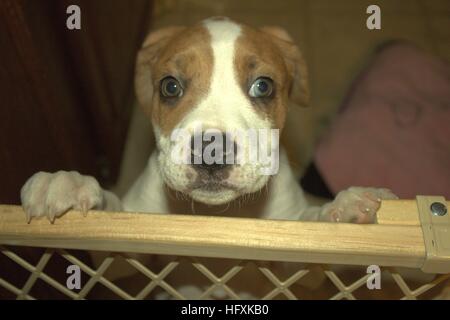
x,y
226,208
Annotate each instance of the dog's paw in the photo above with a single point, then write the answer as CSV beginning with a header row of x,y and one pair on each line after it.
x,y
356,205
53,194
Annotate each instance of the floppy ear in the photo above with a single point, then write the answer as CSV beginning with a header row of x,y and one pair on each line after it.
x,y
299,91
146,58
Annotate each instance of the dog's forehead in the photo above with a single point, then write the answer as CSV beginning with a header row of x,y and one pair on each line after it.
x,y
187,40
222,31
223,37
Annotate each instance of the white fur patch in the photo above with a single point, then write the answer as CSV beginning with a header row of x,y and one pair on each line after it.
x,y
225,107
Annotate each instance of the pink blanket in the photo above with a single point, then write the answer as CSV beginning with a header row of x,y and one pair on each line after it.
x,y
394,128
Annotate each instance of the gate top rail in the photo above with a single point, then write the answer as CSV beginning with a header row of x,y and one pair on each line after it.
x,y
396,240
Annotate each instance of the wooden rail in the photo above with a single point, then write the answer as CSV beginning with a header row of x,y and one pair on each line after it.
x,y
397,239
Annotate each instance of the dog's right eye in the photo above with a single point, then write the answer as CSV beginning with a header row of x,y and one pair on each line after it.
x,y
262,87
171,87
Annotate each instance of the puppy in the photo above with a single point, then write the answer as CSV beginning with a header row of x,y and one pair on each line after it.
x,y
209,80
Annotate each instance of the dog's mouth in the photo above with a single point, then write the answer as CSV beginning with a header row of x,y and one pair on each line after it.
x,y
212,186
211,182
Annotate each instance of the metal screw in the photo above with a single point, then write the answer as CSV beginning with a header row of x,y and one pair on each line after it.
x,y
438,209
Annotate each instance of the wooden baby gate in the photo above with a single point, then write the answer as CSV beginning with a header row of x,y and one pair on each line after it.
x,y
410,244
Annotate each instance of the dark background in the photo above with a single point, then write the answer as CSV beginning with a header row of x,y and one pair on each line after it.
x,y
66,95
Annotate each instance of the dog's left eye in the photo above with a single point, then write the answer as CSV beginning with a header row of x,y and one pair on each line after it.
x,y
171,87
262,87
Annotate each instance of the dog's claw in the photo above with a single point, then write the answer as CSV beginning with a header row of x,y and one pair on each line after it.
x,y
27,214
51,215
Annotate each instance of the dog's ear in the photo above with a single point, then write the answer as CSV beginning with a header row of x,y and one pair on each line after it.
x,y
299,91
146,59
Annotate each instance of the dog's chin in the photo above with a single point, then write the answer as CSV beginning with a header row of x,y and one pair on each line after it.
x,y
214,197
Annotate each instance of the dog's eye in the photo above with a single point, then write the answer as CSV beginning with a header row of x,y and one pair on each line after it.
x,y
170,87
262,87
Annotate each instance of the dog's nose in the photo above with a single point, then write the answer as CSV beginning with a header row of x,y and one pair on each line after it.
x,y
211,155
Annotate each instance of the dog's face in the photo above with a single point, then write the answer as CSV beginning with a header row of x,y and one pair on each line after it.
x,y
214,92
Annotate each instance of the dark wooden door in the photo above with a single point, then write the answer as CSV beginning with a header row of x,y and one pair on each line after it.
x,y
65,95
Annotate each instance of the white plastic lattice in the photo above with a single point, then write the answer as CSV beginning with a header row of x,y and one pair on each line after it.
x,y
158,279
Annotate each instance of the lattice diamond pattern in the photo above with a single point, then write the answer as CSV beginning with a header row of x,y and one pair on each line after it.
x,y
216,281
282,286
97,276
